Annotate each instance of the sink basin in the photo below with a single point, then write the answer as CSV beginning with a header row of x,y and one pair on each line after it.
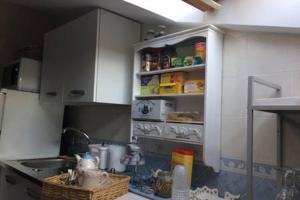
x,y
48,163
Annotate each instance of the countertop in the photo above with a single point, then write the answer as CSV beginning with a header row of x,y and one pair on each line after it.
x,y
35,176
131,196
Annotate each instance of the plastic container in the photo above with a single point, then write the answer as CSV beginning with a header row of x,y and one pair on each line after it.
x,y
180,187
185,158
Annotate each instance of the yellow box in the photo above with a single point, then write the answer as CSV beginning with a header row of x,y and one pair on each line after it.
x,y
194,86
174,77
170,88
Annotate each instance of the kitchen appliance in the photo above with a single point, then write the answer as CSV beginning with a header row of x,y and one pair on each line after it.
x,y
28,129
151,109
23,74
100,151
116,154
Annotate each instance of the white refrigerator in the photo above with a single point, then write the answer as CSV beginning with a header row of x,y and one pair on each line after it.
x,y
28,129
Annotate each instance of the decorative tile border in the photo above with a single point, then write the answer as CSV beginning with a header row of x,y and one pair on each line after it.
x,y
239,166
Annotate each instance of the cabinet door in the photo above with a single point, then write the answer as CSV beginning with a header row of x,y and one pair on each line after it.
x,y
52,67
80,58
12,185
115,59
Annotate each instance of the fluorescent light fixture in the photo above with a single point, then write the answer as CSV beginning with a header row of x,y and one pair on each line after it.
x,y
176,10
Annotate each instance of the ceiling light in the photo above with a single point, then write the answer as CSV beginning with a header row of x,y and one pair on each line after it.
x,y
176,10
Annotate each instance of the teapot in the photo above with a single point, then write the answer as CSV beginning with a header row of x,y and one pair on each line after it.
x,y
87,162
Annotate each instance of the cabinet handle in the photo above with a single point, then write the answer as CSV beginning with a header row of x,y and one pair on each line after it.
x,y
53,94
76,93
10,180
32,194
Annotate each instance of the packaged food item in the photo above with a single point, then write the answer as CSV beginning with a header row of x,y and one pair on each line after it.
x,y
188,60
185,158
200,53
194,86
170,88
173,77
156,59
149,85
146,61
168,52
177,61
184,116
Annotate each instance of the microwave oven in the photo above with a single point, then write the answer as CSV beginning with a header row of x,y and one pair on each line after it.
x,y
23,74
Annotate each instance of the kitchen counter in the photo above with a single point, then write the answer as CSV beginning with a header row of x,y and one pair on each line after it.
x,y
34,175
131,196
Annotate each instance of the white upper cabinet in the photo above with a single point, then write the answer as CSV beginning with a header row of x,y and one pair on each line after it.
x,y
89,60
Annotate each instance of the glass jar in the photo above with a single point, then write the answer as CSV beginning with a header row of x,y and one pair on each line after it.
x,y
163,186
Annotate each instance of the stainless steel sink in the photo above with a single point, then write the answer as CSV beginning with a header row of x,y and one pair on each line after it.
x,y
49,163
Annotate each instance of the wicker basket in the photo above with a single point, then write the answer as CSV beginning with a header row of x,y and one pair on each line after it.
x,y
55,189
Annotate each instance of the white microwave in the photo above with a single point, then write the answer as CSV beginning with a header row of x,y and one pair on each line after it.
x,y
23,74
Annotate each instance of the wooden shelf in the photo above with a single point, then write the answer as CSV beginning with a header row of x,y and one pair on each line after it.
x,y
170,95
181,69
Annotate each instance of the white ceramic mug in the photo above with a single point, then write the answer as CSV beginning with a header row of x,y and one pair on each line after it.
x,y
94,179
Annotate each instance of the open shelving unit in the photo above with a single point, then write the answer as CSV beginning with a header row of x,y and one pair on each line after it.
x,y
278,105
205,132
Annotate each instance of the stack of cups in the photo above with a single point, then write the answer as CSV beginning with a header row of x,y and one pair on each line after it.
x,y
180,187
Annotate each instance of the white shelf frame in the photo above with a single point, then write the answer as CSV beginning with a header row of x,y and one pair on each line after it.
x,y
176,69
213,85
170,95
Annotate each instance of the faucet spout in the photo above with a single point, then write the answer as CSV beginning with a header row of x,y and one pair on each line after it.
x,y
78,131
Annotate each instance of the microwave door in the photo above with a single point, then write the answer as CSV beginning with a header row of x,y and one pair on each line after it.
x,y
2,106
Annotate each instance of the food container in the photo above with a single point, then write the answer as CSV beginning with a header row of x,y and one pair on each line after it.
x,y
200,54
185,158
174,77
150,85
151,109
166,57
156,59
184,117
194,86
146,62
170,88
163,186
177,61
188,60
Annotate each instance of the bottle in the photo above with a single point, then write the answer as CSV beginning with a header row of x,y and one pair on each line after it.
x,y
180,187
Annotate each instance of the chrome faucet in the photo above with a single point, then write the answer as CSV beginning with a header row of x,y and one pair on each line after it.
x,y
66,129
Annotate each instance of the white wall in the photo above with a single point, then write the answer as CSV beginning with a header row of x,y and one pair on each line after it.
x,y
274,57
279,13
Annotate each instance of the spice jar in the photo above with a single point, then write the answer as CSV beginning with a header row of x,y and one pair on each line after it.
x,y
156,59
163,187
146,61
